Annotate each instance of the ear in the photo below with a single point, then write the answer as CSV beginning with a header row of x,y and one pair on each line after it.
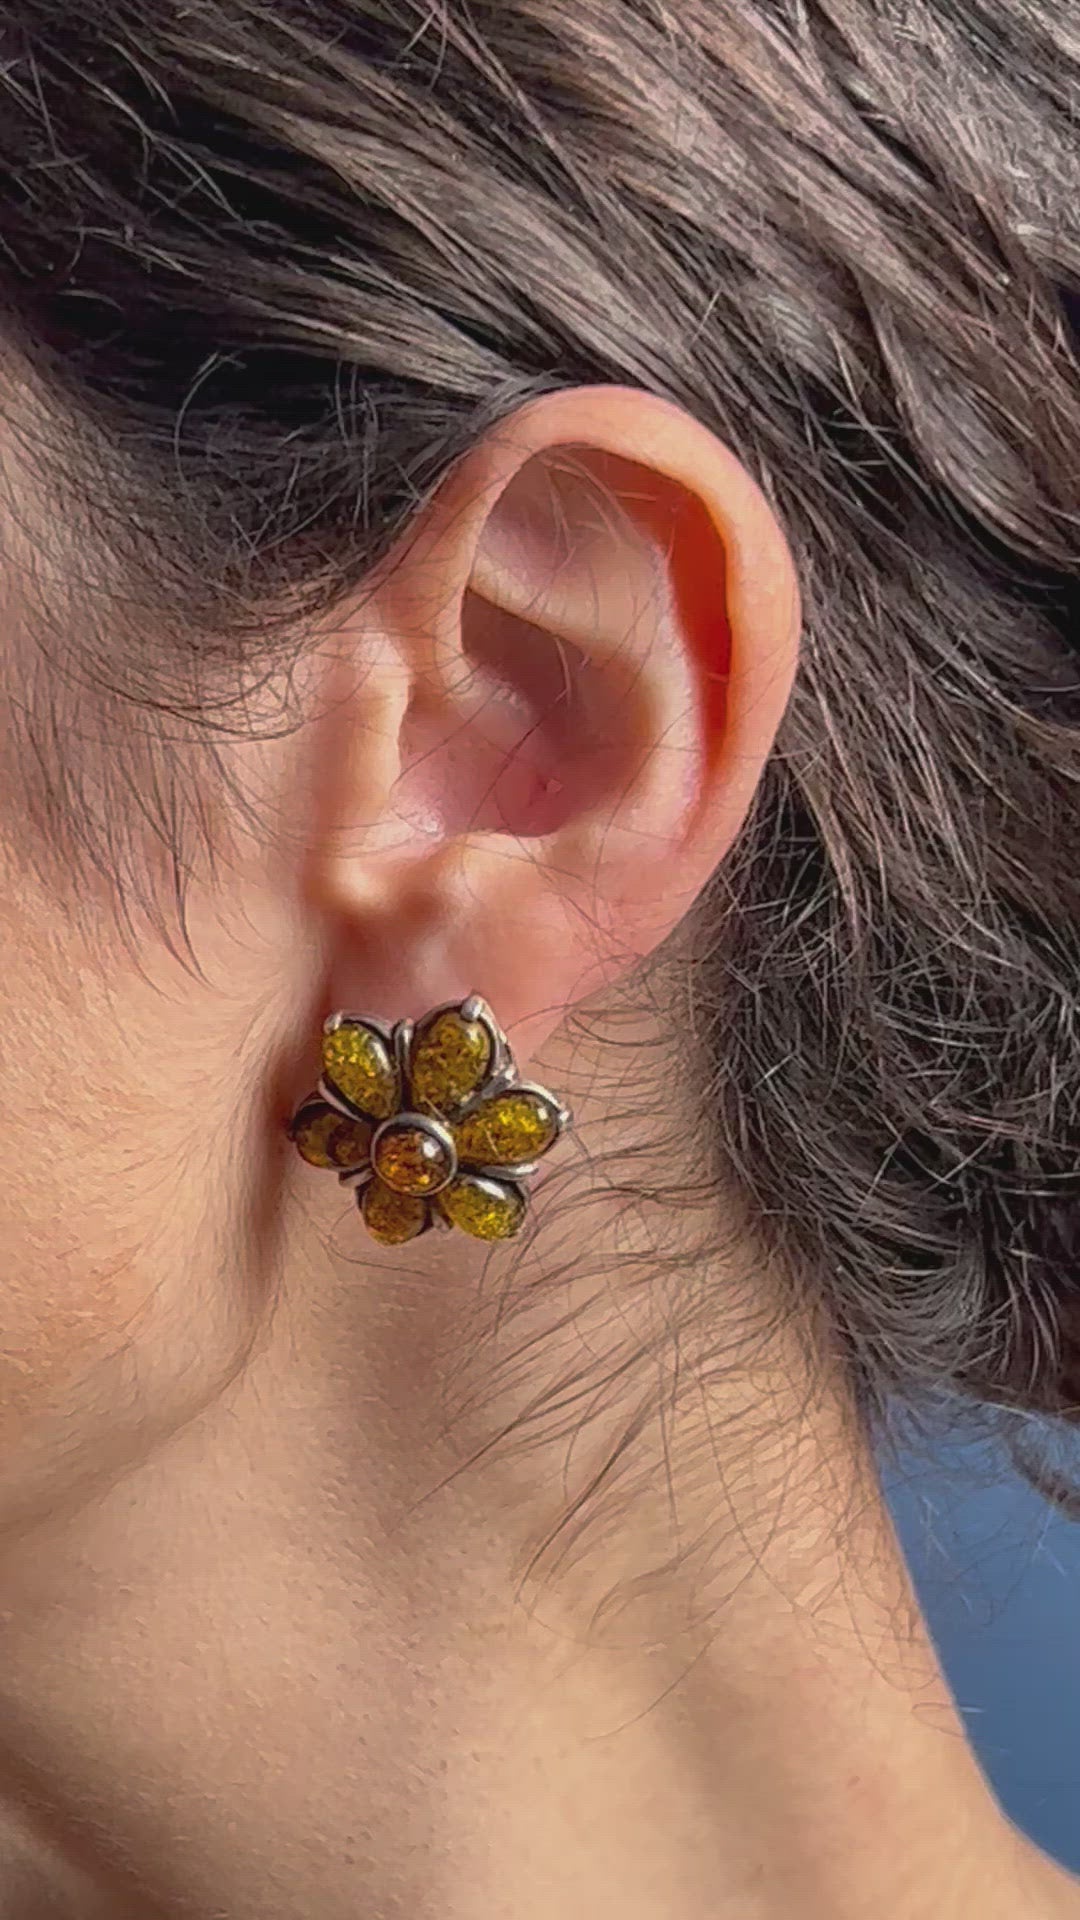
x,y
546,723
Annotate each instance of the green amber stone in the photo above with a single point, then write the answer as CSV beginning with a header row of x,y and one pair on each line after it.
x,y
450,1059
488,1209
510,1128
357,1062
326,1138
392,1218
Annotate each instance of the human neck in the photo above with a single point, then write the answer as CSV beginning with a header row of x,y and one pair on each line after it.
x,y
287,1668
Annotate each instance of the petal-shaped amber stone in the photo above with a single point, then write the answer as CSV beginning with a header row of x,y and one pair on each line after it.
x,y
450,1059
392,1218
357,1063
327,1139
507,1129
413,1159
488,1209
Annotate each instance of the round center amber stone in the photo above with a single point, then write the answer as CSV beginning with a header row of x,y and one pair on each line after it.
x,y
412,1158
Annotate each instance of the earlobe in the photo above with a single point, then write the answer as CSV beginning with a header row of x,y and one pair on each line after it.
x,y
592,638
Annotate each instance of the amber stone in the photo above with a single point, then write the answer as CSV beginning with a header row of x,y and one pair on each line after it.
x,y
450,1058
357,1063
392,1218
412,1159
488,1209
327,1139
509,1128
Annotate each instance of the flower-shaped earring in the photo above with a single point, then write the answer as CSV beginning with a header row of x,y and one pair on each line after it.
x,y
429,1121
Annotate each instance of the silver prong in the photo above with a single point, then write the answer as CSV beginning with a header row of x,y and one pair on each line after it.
x,y
500,1081
565,1119
437,1218
522,1170
402,1038
356,1176
474,1008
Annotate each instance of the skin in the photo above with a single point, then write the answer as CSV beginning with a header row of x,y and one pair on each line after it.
x,y
274,1637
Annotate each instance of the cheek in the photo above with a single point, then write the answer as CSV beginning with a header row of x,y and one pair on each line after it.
x,y
67,1290
67,1131
118,1308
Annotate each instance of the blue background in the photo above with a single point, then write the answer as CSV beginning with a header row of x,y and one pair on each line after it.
x,y
998,1574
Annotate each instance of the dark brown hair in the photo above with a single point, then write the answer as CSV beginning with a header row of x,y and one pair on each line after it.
x,y
267,271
